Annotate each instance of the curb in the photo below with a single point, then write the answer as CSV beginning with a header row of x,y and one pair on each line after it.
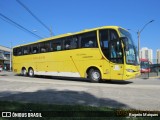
x,y
154,77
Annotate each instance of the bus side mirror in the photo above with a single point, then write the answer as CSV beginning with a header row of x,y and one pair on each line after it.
x,y
125,42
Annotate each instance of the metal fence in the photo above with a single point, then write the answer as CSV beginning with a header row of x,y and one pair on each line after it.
x,y
150,69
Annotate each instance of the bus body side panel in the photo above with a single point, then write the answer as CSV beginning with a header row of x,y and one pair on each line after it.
x,y
87,58
73,63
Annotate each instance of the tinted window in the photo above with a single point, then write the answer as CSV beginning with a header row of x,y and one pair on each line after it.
x,y
88,40
25,50
104,40
74,43
45,47
15,51
35,48
111,45
70,43
113,35
19,51
56,45
67,43
116,50
42,47
29,49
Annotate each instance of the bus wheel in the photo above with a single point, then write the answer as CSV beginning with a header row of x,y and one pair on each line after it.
x,y
94,75
24,72
31,72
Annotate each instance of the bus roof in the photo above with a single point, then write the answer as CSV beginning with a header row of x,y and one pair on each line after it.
x,y
69,34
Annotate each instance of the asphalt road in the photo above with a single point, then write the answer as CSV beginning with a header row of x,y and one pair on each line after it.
x,y
140,94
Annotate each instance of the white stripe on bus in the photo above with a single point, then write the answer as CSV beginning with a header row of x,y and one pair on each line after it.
x,y
67,74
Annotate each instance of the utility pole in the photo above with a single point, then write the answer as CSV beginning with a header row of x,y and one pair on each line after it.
x,y
11,58
51,31
139,33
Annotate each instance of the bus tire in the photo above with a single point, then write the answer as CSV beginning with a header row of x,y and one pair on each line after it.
x,y
94,75
24,72
31,72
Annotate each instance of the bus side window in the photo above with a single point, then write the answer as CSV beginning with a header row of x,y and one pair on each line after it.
x,y
25,50
113,35
71,43
116,52
15,51
29,49
56,45
45,47
74,43
89,40
113,51
42,47
48,46
104,42
19,51
35,48
67,43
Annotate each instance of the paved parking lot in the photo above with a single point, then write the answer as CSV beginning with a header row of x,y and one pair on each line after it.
x,y
141,94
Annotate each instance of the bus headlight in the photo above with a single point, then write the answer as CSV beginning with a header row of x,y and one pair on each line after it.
x,y
130,70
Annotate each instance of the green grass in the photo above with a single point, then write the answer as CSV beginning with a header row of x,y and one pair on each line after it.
x,y
82,112
17,106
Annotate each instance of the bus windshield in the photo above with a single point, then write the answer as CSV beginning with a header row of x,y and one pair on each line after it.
x,y
144,64
130,49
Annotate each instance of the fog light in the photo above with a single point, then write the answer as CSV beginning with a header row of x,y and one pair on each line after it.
x,y
130,70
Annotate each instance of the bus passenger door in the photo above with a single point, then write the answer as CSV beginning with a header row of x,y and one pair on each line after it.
x,y
116,60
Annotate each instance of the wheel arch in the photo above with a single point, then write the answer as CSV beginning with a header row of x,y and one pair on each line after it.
x,y
93,67
22,68
30,68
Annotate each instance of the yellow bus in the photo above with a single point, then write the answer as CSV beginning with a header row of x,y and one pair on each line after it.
x,y
103,53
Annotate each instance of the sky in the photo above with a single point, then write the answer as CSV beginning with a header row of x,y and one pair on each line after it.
x,y
66,16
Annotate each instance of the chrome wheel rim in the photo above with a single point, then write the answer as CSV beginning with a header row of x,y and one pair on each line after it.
x,y
95,75
30,72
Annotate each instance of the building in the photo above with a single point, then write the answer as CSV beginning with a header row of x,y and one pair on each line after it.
x,y
5,57
158,56
146,53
